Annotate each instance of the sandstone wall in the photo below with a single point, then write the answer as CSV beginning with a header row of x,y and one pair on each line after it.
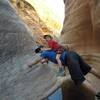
x,y
29,15
81,31
95,17
81,26
15,36
16,43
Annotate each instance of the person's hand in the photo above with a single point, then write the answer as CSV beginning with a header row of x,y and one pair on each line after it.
x,y
46,48
44,61
43,48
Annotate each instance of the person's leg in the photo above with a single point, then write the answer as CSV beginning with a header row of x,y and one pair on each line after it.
x,y
84,66
95,72
78,68
58,60
61,71
85,69
88,86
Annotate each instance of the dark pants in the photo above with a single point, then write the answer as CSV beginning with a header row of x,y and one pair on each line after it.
x,y
77,67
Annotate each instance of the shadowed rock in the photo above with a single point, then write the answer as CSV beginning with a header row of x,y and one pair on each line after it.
x,y
16,45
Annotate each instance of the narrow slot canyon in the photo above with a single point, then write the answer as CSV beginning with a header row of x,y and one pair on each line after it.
x,y
22,28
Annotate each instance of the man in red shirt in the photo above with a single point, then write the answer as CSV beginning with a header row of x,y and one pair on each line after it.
x,y
53,45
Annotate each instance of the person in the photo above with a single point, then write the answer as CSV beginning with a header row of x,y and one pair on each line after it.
x,y
53,45
76,66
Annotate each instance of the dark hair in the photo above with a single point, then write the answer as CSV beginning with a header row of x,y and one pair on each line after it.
x,y
38,49
45,36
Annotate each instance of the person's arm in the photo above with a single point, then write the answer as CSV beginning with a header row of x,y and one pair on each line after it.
x,y
44,61
47,48
36,61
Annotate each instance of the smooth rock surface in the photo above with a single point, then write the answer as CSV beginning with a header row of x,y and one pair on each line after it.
x,y
16,43
81,32
81,26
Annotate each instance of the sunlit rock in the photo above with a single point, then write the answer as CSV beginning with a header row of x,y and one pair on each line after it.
x,y
51,12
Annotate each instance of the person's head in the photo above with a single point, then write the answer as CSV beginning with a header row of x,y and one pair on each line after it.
x,y
38,49
47,37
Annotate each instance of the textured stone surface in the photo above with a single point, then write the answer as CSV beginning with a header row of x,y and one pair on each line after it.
x,y
95,16
81,26
29,15
15,37
81,31
16,43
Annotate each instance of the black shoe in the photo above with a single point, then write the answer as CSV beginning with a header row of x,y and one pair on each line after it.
x,y
98,95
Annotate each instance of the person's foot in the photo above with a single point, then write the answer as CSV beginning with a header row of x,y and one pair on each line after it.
x,y
61,72
98,96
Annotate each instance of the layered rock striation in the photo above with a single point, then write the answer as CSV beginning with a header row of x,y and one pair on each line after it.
x,y
81,26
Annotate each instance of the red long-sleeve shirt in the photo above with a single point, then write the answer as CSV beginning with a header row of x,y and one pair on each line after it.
x,y
53,45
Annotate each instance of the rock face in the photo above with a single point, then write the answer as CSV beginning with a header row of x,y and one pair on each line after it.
x,y
29,15
15,37
81,31
81,26
16,43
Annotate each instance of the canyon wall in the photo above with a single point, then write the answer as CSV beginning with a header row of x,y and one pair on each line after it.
x,y
16,43
29,16
81,32
82,25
